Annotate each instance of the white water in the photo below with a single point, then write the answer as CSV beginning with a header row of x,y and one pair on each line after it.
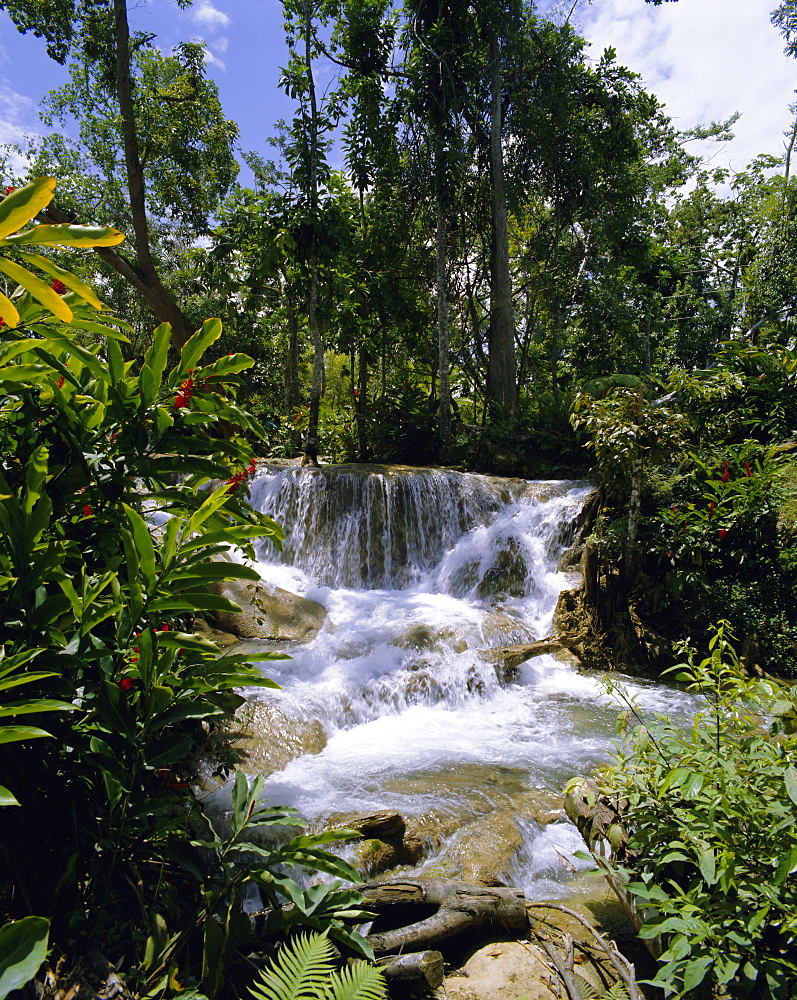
x,y
419,570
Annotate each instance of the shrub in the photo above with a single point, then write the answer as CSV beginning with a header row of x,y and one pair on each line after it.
x,y
712,812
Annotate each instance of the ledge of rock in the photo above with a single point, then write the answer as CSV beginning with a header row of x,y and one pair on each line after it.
x,y
267,612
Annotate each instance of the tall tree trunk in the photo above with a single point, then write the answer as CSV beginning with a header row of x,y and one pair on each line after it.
x,y
311,444
291,397
441,282
361,404
501,368
160,301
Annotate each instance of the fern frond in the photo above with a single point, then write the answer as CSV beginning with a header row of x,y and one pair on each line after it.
x,y
359,981
301,971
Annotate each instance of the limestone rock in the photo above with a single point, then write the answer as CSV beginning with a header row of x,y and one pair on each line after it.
x,y
275,738
268,612
506,970
222,639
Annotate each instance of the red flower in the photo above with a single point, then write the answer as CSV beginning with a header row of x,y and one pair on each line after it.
x,y
747,470
60,382
725,472
10,190
711,507
186,393
87,510
127,684
59,287
2,321
722,533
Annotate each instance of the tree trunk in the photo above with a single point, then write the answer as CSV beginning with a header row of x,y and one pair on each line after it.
x,y
311,443
441,278
362,403
457,906
501,369
149,283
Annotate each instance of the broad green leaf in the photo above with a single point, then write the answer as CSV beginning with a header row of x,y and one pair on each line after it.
x,y
169,750
705,856
7,798
695,972
37,288
228,365
144,546
156,356
23,948
70,280
195,347
790,777
66,235
15,734
23,204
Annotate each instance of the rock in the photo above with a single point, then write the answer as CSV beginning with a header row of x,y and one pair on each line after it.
x,y
506,970
507,575
222,639
275,738
268,612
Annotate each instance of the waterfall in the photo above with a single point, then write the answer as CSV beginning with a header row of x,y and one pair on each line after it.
x,y
393,705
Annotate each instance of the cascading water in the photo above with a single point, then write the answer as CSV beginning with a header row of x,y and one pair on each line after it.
x,y
420,570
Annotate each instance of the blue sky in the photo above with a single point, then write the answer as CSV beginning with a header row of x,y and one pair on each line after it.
x,y
704,58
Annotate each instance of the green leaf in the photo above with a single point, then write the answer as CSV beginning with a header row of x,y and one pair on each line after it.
x,y
23,204
790,777
6,797
169,750
15,734
8,311
695,972
37,288
195,347
707,864
144,546
66,235
70,280
23,948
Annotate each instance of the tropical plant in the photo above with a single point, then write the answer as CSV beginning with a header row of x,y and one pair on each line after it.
x,y
104,560
711,813
304,969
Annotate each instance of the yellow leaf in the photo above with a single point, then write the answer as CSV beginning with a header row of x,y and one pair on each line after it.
x,y
8,311
24,204
69,279
67,236
37,288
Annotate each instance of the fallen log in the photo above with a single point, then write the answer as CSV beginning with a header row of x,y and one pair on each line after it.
x,y
421,968
511,657
457,906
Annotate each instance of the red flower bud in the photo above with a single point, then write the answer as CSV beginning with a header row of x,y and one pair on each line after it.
x,y
59,287
87,510
60,382
722,533
725,472
711,507
10,190
747,470
127,684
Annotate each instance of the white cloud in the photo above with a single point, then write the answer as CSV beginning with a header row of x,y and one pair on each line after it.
x,y
219,44
18,119
212,60
705,59
208,17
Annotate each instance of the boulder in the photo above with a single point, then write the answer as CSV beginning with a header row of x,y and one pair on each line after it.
x,y
267,612
274,738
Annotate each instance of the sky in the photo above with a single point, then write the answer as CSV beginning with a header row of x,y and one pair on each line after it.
x,y
705,59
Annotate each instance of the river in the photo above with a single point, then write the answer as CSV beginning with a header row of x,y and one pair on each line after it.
x,y
420,570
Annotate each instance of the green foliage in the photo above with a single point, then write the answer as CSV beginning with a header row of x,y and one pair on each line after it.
x,y
304,969
104,561
711,811
624,430
23,948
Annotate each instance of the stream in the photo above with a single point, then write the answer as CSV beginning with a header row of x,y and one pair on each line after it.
x,y
419,570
